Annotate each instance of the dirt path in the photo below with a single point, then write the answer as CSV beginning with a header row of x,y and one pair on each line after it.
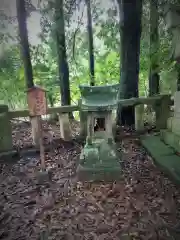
x,y
139,206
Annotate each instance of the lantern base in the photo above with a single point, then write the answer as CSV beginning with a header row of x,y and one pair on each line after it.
x,y
99,161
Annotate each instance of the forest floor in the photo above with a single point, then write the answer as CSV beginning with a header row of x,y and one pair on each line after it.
x,y
142,206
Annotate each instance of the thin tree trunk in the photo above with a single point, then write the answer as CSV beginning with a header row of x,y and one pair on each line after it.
x,y
62,56
154,49
90,41
130,34
23,34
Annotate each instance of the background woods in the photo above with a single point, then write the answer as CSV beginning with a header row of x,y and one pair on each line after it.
x,y
66,48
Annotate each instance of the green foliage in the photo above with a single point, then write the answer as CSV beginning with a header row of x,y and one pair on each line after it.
x,y
106,51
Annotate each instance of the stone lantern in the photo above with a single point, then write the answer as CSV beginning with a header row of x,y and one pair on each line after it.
x,y
172,18
99,159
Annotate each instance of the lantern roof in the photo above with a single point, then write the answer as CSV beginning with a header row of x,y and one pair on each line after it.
x,y
99,98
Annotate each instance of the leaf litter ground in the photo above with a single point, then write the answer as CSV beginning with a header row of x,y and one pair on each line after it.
x,y
143,206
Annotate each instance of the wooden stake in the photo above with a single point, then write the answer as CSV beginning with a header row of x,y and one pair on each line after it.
x,y
41,144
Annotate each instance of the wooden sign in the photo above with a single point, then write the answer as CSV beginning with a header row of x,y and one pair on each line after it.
x,y
37,103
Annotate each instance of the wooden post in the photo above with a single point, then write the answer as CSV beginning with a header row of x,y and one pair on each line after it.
x,y
37,104
35,132
109,124
83,121
41,143
139,117
162,109
90,125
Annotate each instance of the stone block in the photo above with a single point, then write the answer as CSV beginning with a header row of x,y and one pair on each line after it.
x,y
177,102
5,133
139,117
171,139
65,129
162,109
175,125
169,123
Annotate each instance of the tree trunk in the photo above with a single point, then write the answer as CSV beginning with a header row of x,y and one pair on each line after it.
x,y
130,33
62,56
154,49
23,34
90,41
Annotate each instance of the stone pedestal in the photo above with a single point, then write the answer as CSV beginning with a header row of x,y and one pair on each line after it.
x,y
99,161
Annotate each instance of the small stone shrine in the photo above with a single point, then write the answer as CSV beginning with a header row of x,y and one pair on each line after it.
x,y
99,160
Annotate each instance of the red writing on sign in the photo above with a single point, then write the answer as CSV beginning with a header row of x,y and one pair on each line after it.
x,y
37,103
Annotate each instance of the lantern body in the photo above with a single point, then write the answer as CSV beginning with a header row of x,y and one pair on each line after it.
x,y
99,159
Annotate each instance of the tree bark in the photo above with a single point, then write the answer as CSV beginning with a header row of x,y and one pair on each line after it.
x,y
23,34
61,52
154,49
130,35
90,41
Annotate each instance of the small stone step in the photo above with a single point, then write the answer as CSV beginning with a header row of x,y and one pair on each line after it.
x,y
171,139
163,156
154,142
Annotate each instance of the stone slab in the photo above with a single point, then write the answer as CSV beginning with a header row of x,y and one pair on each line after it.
x,y
163,156
171,139
99,174
162,148
9,156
